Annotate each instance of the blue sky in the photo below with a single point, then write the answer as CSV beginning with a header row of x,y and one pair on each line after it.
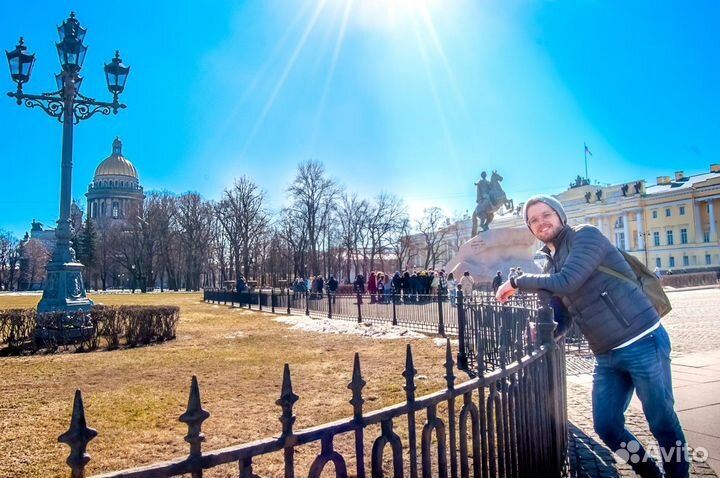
x,y
415,97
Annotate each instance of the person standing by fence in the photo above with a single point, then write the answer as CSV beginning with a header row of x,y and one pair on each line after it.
x,y
405,285
497,281
622,327
387,289
452,288
466,284
332,286
372,287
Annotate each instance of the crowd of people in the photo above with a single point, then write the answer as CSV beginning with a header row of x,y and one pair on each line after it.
x,y
406,286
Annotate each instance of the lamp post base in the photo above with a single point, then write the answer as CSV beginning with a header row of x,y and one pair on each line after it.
x,y
60,318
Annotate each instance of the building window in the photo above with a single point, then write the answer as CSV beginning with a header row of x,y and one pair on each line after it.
x,y
694,260
670,240
656,239
621,240
706,236
686,261
667,212
682,210
102,209
654,214
708,259
115,210
683,236
672,261
658,262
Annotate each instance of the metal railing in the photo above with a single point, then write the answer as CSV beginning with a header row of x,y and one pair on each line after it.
x,y
510,421
496,325
433,313
421,312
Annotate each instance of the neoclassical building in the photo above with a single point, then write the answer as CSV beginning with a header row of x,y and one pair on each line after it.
x,y
672,224
115,192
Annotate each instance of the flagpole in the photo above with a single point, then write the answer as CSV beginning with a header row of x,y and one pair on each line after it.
x,y
586,173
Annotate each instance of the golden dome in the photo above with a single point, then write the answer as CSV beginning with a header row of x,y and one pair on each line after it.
x,y
116,164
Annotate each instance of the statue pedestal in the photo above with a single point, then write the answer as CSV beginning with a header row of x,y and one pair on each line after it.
x,y
64,293
494,250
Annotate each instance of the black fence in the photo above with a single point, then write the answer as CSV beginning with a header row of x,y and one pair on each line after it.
x,y
489,326
510,421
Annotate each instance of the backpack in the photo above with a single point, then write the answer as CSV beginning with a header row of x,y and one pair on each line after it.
x,y
648,282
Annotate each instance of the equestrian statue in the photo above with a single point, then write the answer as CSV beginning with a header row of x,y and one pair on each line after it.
x,y
490,198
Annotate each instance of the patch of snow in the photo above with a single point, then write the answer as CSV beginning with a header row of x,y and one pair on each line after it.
x,y
237,335
330,326
442,342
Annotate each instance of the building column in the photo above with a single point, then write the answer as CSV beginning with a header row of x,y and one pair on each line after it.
x,y
626,231
711,218
600,224
640,229
698,224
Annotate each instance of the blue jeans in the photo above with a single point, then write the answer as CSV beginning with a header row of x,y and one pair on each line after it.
x,y
643,366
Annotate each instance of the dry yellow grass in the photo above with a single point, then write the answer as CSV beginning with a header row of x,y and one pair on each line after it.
x,y
133,397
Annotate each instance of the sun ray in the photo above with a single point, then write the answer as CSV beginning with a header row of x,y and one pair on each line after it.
x,y
331,72
430,26
435,95
286,71
236,109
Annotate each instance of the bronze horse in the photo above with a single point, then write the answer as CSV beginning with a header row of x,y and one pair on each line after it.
x,y
485,210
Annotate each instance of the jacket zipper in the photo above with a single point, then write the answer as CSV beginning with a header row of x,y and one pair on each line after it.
x,y
613,308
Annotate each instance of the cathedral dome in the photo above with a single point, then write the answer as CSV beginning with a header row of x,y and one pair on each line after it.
x,y
116,164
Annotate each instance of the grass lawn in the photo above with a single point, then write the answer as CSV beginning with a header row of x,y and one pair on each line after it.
x,y
133,397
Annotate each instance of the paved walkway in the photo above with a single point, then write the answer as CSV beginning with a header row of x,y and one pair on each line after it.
x,y
694,328
699,414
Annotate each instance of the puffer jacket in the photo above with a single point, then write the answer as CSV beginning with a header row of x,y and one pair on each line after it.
x,y
608,311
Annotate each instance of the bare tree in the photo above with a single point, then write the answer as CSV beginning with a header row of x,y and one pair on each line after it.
x,y
219,253
401,243
292,229
135,249
194,219
105,244
432,227
279,262
35,258
160,212
9,258
385,216
352,216
243,216
312,195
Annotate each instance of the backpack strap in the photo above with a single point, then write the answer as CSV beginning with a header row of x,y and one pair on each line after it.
x,y
616,274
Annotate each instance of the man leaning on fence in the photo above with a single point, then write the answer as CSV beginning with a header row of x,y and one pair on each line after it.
x,y
622,327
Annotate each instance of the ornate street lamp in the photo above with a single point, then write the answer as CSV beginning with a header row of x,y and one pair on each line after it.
x,y
64,290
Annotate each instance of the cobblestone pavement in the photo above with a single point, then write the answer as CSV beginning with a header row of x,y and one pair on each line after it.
x,y
694,322
693,326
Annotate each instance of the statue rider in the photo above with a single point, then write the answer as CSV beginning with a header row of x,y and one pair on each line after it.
x,y
483,190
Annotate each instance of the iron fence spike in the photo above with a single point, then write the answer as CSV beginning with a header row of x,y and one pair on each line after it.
x,y
356,385
194,417
77,437
286,402
449,366
409,375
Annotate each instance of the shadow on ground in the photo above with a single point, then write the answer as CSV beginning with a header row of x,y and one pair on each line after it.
x,y
588,458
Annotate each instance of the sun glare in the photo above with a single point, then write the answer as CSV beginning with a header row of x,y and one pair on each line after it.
x,y
389,15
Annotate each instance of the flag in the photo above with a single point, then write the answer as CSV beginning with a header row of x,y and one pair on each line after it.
x,y
587,150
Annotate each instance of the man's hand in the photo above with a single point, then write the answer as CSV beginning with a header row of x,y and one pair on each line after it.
x,y
504,292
